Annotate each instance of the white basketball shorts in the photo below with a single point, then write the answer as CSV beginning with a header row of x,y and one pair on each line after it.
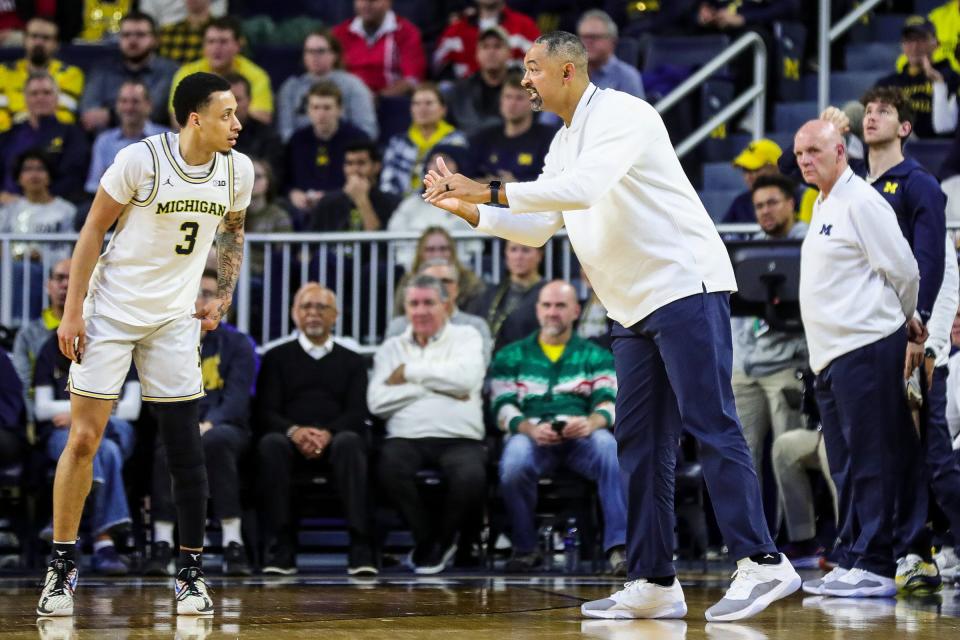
x,y
167,358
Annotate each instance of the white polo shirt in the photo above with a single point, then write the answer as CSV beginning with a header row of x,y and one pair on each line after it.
x,y
633,218
858,277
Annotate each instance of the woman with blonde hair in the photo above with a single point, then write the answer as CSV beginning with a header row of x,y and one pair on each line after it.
x,y
436,242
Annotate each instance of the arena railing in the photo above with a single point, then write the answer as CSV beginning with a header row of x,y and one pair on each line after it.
x,y
827,34
362,268
754,94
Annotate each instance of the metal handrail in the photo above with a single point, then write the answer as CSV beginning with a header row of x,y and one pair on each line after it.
x,y
827,35
754,94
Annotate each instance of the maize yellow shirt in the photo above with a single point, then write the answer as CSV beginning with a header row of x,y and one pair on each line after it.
x,y
261,95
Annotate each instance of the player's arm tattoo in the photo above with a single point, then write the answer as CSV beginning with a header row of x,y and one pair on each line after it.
x,y
229,255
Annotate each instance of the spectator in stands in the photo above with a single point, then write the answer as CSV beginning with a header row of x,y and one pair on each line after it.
x,y
414,214
360,205
311,411
436,243
444,271
40,47
453,53
946,19
765,360
169,12
316,153
228,366
382,48
259,140
795,453
403,161
599,34
64,144
264,215
474,101
426,386
134,106
759,158
515,150
37,210
953,392
222,40
511,307
138,62
729,15
931,87
32,336
13,423
182,40
11,25
322,60
553,392
109,512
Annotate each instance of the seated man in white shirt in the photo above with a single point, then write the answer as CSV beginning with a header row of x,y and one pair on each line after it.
x,y
426,385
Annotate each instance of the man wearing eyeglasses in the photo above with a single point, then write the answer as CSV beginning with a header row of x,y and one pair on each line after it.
x,y
138,61
31,337
40,46
765,360
311,410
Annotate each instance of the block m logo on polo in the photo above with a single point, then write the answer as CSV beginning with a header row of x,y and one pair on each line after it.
x,y
890,187
826,229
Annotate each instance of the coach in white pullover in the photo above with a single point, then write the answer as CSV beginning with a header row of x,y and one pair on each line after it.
x,y
656,262
858,289
426,384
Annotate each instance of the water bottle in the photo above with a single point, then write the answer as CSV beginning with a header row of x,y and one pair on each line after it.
x,y
571,547
546,546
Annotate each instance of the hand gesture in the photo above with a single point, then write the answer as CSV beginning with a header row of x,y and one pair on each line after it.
x,y
577,427
544,435
211,312
72,336
356,187
443,185
838,118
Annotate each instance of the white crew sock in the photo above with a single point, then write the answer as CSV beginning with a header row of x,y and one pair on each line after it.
x,y
231,531
163,532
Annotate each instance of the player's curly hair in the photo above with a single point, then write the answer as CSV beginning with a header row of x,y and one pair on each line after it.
x,y
193,94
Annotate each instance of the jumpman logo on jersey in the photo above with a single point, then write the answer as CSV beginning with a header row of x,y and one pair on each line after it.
x,y
195,556
167,182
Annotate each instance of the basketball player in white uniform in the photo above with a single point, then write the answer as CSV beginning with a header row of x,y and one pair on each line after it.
x,y
171,196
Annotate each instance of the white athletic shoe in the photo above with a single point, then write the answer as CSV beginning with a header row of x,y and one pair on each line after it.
x,y
193,597
634,629
815,586
56,599
754,588
948,563
639,599
860,583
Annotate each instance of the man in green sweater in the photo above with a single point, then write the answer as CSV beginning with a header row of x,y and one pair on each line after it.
x,y
554,392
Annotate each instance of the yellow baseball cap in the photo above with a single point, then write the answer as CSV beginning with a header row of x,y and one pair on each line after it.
x,y
757,154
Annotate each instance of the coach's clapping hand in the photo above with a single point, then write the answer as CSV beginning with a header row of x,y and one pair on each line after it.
x,y
441,184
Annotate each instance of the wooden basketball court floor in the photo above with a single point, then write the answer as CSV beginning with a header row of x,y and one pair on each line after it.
x,y
455,606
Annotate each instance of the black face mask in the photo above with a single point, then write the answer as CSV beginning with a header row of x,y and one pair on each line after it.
x,y
38,56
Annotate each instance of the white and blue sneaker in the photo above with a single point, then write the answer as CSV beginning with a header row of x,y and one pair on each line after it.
x,y
639,599
56,599
193,597
754,588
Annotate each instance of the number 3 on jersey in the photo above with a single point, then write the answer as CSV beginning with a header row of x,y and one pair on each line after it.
x,y
190,239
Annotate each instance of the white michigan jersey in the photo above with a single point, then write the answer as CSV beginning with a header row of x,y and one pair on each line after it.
x,y
150,272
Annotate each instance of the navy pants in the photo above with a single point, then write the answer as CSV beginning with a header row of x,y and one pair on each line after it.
x,y
870,440
673,374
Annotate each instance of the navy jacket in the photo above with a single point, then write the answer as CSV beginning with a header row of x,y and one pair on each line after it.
x,y
228,365
916,198
65,144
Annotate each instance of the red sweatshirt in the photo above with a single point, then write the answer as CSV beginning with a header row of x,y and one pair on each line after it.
x,y
458,42
394,52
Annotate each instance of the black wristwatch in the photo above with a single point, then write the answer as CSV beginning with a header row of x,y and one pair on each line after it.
x,y
495,192
929,353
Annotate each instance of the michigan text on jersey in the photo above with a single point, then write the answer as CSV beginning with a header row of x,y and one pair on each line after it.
x,y
192,206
